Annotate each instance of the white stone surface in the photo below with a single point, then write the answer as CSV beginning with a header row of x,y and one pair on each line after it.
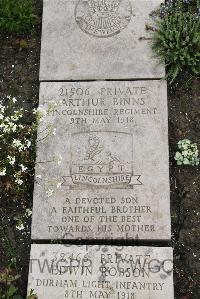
x,y
82,40
102,162
84,272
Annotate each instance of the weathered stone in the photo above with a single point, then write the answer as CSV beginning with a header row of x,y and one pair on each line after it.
x,y
104,174
82,40
71,271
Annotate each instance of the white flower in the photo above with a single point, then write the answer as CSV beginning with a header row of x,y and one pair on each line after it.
x,y
49,192
17,143
24,168
14,128
11,160
14,118
28,212
28,143
19,181
6,128
3,172
41,112
20,226
7,119
2,108
14,100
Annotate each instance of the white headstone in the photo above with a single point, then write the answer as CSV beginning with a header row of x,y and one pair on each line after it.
x,y
101,272
95,39
102,162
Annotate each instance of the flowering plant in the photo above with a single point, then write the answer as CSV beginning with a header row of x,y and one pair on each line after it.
x,y
187,154
17,140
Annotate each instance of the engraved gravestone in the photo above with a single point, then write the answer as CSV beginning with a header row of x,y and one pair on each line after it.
x,y
102,161
101,272
97,39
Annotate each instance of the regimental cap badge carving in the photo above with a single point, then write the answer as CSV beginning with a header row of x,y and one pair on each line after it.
x,y
103,18
103,6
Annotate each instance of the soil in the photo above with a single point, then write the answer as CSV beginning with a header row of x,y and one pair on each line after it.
x,y
19,76
184,122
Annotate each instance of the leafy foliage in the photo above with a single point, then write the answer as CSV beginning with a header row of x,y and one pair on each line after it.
x,y
8,278
8,290
187,154
16,17
172,6
176,41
